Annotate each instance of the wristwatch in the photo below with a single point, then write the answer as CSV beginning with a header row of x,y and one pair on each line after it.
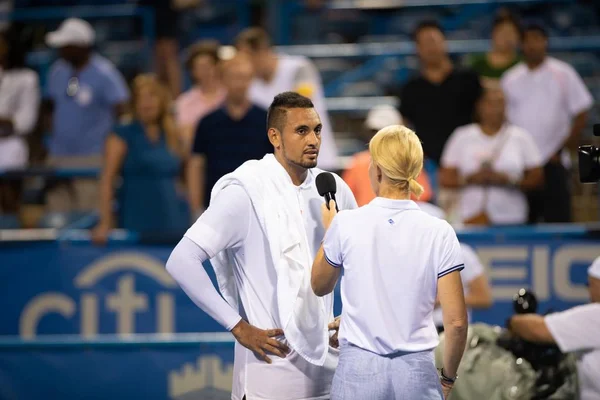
x,y
446,379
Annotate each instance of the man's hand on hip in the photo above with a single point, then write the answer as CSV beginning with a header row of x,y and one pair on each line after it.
x,y
260,341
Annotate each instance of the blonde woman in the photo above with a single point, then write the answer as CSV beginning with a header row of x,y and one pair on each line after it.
x,y
146,153
395,258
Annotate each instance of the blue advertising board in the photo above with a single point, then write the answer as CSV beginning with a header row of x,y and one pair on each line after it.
x,y
82,294
62,287
66,288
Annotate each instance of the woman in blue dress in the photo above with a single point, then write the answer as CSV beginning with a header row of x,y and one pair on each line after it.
x,y
147,154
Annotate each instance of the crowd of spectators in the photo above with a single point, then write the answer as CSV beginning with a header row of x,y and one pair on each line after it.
x,y
503,130
498,130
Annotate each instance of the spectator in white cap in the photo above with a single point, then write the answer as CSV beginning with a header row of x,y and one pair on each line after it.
x,y
356,174
84,95
574,331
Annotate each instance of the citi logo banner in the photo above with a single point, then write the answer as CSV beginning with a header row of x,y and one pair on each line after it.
x,y
123,301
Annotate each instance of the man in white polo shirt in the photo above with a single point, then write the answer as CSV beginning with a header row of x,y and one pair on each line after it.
x,y
576,330
547,98
277,73
266,216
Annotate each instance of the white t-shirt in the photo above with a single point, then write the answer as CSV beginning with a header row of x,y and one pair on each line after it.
x,y
577,330
19,102
513,151
544,101
298,73
234,224
393,254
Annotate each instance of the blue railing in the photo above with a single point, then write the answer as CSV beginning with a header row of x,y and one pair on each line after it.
x,y
542,232
407,48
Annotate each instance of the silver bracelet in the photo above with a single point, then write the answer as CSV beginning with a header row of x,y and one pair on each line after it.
x,y
446,379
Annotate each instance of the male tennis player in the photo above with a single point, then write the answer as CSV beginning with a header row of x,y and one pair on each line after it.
x,y
261,231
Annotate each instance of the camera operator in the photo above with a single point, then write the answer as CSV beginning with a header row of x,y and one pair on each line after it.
x,y
576,330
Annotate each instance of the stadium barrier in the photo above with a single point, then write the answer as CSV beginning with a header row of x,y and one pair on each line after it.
x,y
81,321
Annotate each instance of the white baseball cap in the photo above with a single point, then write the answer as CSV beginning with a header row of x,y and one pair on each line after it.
x,y
72,32
381,116
594,269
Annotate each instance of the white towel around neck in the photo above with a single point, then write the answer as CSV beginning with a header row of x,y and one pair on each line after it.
x,y
274,200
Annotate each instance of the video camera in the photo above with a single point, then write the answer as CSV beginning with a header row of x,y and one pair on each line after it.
x,y
545,359
589,160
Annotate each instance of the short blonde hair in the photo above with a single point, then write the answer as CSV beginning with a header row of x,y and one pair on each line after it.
x,y
398,152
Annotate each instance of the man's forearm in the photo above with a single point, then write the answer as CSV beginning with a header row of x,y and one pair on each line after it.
x,y
185,266
577,127
106,199
531,327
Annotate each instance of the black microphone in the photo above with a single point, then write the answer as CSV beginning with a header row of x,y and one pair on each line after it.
x,y
327,187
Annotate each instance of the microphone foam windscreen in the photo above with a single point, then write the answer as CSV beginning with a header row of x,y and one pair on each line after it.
x,y
325,183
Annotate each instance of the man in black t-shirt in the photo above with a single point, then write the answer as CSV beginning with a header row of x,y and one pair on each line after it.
x,y
442,97
228,136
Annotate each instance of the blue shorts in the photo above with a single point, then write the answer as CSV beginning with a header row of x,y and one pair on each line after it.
x,y
363,375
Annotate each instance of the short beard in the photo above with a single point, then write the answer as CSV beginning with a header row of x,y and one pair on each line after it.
x,y
308,164
301,164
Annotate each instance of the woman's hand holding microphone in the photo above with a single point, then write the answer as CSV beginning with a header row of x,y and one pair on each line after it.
x,y
327,214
